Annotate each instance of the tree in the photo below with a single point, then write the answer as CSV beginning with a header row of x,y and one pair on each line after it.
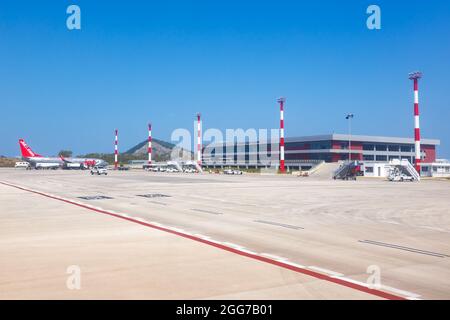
x,y
65,153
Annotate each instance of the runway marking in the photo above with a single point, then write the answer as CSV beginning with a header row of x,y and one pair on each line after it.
x,y
330,272
154,195
407,294
208,239
246,253
94,197
279,224
206,211
394,246
401,292
278,258
295,265
160,203
233,245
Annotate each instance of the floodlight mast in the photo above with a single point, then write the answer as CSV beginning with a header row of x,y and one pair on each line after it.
x,y
116,152
349,117
199,140
149,147
415,76
282,101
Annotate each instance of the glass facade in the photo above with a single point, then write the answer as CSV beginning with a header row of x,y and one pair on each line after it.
x,y
381,147
406,149
326,150
393,147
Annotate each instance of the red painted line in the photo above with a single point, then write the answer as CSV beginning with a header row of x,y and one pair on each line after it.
x,y
311,273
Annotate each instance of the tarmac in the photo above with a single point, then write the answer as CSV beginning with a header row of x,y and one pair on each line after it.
x,y
143,235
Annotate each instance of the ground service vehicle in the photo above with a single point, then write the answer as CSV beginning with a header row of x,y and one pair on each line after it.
x,y
99,171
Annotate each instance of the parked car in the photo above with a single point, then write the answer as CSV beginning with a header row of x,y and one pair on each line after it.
x,y
401,178
99,171
230,171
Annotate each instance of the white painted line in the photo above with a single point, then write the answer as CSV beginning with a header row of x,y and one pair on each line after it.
x,y
401,292
233,245
330,272
351,281
208,238
278,258
248,251
411,298
201,236
157,224
294,264
407,294
212,240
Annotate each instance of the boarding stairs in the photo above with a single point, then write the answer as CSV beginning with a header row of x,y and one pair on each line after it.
x,y
176,165
324,170
405,167
195,164
347,171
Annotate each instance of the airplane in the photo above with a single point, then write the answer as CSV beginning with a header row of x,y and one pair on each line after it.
x,y
40,162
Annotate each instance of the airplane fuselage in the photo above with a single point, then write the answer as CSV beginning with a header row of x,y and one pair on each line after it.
x,y
58,162
38,161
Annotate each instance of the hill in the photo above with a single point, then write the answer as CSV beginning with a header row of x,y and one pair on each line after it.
x,y
161,151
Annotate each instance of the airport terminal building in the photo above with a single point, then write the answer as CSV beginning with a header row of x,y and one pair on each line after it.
x,y
303,152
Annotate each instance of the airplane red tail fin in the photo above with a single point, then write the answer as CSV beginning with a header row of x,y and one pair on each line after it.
x,y
26,150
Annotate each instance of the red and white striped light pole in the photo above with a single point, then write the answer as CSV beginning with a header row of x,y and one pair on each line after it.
x,y
415,76
116,154
149,143
281,101
199,140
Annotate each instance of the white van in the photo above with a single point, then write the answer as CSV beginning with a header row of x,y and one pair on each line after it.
x,y
21,164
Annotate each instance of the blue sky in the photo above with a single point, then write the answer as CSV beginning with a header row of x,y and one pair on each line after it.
x,y
163,61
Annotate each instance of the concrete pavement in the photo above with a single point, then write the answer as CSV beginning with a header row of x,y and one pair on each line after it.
x,y
339,229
